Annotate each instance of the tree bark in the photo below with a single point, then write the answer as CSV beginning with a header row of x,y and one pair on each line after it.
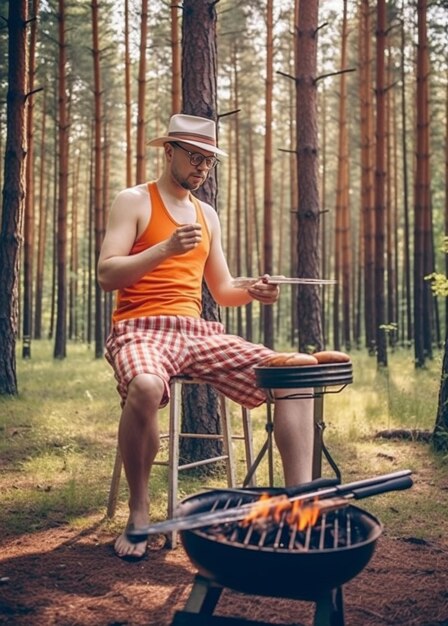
x,y
13,194
60,346
176,52
406,243
42,230
309,311
380,178
98,177
367,176
268,244
28,248
342,234
141,115
421,187
128,100
199,88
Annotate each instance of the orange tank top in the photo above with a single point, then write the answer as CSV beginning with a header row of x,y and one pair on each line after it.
x,y
174,287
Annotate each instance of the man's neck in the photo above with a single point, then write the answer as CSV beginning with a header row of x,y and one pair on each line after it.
x,y
169,187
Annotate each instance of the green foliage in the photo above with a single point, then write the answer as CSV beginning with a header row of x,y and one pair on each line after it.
x,y
439,284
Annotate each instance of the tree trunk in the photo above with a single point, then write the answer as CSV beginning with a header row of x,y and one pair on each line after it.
x,y
294,325
421,187
367,191
342,235
73,263
238,188
128,100
391,226
98,178
141,115
199,75
446,197
380,183
268,260
60,346
176,52
13,194
309,311
42,230
108,298
406,242
28,248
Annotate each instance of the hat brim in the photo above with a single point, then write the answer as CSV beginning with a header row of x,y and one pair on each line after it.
x,y
161,141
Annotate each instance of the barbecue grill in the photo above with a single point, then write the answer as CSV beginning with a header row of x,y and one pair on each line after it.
x,y
253,541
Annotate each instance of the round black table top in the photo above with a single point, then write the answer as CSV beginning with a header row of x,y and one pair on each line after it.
x,y
300,376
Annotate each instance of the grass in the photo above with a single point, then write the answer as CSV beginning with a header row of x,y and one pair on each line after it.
x,y
58,439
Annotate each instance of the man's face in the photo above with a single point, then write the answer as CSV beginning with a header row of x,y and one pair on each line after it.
x,y
190,165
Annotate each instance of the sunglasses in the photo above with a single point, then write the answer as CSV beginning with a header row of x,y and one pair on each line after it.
x,y
196,158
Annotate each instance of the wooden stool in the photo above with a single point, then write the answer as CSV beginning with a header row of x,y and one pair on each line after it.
x,y
174,434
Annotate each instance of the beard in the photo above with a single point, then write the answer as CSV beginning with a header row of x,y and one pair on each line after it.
x,y
188,183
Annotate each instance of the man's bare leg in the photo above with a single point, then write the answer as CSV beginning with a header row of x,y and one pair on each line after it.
x,y
294,434
138,438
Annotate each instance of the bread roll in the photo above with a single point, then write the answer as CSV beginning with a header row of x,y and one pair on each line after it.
x,y
277,359
300,358
286,359
331,356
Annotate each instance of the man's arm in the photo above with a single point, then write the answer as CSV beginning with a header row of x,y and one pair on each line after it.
x,y
128,214
217,274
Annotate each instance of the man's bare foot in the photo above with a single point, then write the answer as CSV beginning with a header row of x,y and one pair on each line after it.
x,y
125,549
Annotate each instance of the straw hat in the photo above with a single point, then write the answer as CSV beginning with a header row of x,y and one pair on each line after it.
x,y
197,131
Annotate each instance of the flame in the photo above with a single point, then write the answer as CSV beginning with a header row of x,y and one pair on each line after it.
x,y
303,514
299,514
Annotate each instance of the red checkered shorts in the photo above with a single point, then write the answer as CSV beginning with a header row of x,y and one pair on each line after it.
x,y
169,345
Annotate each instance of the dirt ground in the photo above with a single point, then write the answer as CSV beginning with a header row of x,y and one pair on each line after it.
x,y
65,577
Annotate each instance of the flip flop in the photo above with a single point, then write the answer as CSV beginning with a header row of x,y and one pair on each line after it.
x,y
132,558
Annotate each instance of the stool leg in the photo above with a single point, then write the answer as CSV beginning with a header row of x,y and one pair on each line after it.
x,y
227,441
248,444
114,485
173,454
270,429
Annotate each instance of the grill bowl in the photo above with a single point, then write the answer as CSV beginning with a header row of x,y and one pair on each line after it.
x,y
322,375
300,575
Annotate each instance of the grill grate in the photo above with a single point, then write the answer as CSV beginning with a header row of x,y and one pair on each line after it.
x,y
334,530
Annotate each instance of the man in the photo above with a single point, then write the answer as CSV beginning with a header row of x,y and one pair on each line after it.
x,y
159,244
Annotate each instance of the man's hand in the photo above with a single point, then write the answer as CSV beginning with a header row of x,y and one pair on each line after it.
x,y
263,291
185,238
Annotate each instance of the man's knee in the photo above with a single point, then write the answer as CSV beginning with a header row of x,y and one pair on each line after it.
x,y
146,390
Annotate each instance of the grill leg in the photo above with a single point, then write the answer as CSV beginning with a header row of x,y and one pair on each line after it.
x,y
267,447
319,445
330,609
204,596
318,434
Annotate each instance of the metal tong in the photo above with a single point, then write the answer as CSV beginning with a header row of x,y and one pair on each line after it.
x,y
244,282
356,490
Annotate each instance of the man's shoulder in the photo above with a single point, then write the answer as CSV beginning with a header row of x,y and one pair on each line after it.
x,y
135,197
135,192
